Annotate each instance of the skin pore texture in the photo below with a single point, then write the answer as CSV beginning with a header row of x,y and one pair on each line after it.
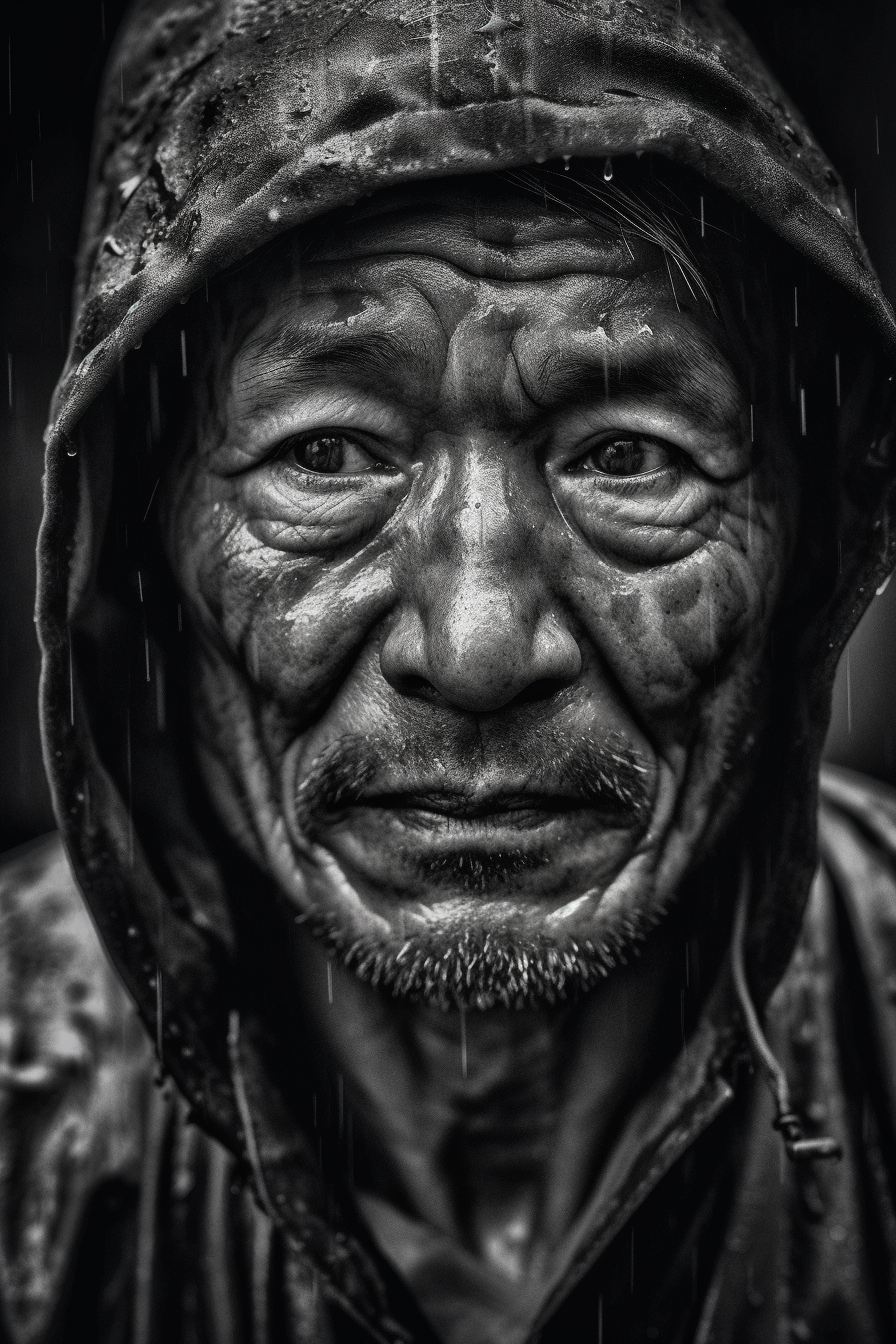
x,y
480,561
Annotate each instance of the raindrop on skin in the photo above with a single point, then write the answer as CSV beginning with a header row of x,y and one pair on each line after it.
x,y
608,170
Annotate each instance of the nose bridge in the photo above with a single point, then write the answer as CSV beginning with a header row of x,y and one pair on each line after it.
x,y
477,623
479,519
473,573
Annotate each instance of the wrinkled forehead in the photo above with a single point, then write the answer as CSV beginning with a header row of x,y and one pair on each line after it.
x,y
434,252
566,255
479,299
490,227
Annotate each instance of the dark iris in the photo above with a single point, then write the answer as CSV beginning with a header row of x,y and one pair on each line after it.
x,y
330,455
623,457
324,454
627,457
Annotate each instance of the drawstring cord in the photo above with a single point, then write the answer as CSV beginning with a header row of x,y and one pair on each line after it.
x,y
787,1121
245,1114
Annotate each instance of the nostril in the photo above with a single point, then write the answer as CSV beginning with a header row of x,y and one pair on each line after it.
x,y
417,688
538,692
543,689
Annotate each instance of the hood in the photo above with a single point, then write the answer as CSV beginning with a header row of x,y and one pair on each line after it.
x,y
223,124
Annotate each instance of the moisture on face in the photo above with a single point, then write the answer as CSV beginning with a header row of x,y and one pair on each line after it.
x,y
475,511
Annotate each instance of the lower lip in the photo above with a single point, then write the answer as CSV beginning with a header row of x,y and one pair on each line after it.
x,y
380,848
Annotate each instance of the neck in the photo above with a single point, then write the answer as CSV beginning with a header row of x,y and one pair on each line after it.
x,y
488,1126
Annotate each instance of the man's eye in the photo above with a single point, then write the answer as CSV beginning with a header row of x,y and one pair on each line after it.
x,y
330,455
626,457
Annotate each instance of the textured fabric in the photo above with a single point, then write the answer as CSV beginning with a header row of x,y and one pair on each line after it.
x,y
229,121
139,1229
225,123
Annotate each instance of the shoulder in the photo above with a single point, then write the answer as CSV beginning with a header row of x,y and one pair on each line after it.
x,y
61,1004
74,1071
50,956
857,840
867,803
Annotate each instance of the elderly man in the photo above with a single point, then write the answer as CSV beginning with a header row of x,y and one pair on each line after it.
x,y
475,451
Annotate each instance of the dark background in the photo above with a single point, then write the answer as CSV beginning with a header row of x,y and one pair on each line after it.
x,y
837,59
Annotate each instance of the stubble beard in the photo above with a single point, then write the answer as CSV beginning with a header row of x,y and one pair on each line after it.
x,y
458,966
478,957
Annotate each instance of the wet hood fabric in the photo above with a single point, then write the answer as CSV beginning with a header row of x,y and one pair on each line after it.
x,y
226,122
223,124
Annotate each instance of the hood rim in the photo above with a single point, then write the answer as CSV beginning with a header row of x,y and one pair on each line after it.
x,y
308,185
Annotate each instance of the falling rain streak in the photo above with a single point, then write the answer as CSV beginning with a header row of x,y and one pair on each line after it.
x,y
837,378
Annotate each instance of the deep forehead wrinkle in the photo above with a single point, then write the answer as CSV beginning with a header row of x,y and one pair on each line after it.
x,y
508,234
292,358
480,257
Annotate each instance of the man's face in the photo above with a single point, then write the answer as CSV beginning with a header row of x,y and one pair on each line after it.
x,y
481,565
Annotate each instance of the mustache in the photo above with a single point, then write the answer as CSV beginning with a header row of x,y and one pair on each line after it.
x,y
606,774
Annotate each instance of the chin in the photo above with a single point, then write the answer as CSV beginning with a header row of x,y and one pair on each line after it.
x,y
530,906
478,944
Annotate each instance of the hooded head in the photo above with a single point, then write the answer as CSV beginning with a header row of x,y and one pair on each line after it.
x,y
475,450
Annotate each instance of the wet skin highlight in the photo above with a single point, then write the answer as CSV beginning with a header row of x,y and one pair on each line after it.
x,y
476,486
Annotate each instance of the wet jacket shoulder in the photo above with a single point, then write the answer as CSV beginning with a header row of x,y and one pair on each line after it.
x,y
109,1197
808,1250
122,1223
858,849
74,1069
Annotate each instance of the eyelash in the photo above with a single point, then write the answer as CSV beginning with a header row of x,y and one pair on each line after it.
x,y
630,486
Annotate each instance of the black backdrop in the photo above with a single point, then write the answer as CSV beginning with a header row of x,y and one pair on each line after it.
x,y
837,60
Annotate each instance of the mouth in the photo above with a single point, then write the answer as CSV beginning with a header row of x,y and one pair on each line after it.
x,y
470,840
401,828
435,809
455,840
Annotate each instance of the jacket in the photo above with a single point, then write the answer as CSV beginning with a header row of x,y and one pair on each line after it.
x,y
195,1207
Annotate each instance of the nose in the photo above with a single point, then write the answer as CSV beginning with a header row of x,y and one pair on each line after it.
x,y
476,624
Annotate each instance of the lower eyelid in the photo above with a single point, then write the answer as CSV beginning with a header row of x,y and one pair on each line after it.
x,y
672,486
633,485
296,479
643,477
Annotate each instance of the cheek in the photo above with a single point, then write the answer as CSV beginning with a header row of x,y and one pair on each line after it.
x,y
308,625
292,622
665,632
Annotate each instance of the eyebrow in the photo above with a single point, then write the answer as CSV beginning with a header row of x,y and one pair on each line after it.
x,y
689,372
291,359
